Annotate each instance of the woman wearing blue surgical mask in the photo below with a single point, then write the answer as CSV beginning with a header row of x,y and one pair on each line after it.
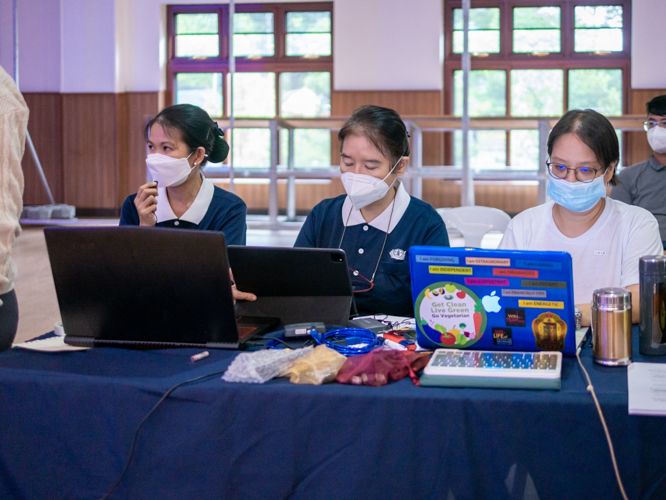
x,y
377,221
605,237
181,139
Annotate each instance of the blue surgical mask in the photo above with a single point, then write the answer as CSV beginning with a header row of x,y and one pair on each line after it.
x,y
576,196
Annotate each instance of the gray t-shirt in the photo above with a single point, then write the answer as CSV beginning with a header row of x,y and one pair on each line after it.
x,y
644,185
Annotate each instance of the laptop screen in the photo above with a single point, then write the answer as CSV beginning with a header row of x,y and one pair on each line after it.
x,y
470,298
131,284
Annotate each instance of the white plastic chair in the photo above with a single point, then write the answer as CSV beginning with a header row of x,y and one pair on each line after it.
x,y
474,222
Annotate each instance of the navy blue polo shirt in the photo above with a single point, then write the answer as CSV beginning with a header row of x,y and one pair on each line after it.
x,y
214,209
413,222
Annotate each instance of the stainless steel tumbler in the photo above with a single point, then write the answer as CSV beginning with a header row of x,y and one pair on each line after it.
x,y
611,326
652,326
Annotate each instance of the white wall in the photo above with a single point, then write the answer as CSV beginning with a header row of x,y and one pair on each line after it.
x,y
388,45
120,45
6,59
39,43
88,46
648,55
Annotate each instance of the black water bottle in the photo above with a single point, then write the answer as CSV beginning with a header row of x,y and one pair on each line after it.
x,y
652,269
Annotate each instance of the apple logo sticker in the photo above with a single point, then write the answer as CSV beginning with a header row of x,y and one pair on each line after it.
x,y
491,303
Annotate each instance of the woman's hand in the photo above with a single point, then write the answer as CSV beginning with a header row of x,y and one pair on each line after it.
x,y
146,204
237,294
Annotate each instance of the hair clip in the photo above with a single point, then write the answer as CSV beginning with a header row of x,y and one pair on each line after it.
x,y
217,129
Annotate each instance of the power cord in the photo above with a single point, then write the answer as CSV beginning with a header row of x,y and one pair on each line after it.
x,y
344,339
590,389
136,433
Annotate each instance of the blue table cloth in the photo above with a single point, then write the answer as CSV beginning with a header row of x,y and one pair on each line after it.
x,y
67,421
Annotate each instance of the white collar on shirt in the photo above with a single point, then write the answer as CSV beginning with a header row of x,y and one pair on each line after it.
x,y
197,209
380,222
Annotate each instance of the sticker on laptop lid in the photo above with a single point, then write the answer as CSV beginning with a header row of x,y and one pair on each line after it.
x,y
502,336
450,315
550,331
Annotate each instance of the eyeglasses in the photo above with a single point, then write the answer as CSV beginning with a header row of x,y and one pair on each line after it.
x,y
652,124
360,283
583,174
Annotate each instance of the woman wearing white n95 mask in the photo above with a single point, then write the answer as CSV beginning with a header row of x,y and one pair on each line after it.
x,y
377,221
181,139
605,237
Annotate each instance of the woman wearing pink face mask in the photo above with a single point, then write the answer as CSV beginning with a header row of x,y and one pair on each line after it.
x,y
181,139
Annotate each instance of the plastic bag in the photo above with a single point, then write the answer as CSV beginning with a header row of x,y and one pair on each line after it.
x,y
381,365
259,366
317,367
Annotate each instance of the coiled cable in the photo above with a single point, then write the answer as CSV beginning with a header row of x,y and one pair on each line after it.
x,y
346,340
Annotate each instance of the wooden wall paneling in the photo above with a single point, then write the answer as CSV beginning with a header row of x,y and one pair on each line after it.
x,y
123,133
45,130
405,102
513,199
134,110
639,149
89,149
308,194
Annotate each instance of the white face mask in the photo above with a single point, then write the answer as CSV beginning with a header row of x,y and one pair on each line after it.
x,y
365,189
168,171
657,139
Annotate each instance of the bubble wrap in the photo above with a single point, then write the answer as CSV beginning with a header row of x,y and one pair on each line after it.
x,y
259,366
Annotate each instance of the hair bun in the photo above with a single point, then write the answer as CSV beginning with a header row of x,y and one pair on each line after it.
x,y
219,150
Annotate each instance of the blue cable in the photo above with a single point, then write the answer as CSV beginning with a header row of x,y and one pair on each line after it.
x,y
350,336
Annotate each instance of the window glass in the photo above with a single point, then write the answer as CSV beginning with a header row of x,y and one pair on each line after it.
x,y
525,149
253,34
599,89
484,30
251,147
254,95
305,94
487,92
537,92
312,148
308,33
201,89
598,28
197,36
536,29
487,149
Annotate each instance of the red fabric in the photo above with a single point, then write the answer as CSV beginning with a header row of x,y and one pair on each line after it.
x,y
381,365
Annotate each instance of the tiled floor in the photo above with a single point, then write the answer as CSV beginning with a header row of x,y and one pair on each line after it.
x,y
38,305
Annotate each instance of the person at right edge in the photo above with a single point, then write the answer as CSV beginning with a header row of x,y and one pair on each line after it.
x,y
13,126
644,184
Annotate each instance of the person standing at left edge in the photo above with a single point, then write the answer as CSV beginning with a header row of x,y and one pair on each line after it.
x,y
181,139
377,221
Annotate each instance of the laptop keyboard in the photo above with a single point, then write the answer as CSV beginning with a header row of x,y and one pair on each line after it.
x,y
496,360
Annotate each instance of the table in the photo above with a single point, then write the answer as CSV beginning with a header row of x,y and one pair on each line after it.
x,y
67,421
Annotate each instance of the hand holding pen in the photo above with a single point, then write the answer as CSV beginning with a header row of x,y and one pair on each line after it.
x,y
146,204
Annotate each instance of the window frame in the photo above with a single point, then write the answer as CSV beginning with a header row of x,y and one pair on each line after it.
x,y
565,60
278,63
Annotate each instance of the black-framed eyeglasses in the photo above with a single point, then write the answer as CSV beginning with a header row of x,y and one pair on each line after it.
x,y
647,125
360,283
583,174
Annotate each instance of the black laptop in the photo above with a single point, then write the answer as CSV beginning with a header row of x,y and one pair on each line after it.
x,y
146,288
296,285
